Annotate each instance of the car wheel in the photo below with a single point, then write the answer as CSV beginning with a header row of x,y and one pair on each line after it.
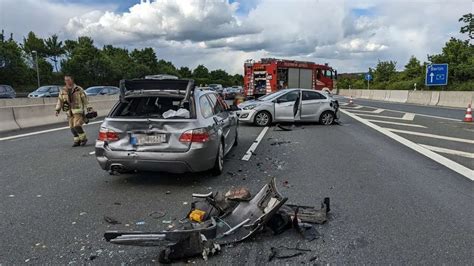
x,y
263,119
326,118
219,164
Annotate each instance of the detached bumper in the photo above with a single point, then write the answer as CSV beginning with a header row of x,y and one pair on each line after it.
x,y
198,158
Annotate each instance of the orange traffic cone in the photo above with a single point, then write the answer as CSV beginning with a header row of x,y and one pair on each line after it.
x,y
468,116
351,102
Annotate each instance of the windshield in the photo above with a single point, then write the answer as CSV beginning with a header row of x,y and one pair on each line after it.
x,y
273,95
94,89
43,89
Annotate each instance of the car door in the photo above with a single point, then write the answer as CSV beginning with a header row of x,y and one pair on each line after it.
x,y
54,91
311,105
285,106
222,119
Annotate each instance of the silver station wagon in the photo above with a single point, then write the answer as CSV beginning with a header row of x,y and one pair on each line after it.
x,y
166,125
290,105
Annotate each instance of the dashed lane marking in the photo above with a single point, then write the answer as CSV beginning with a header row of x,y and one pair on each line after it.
x,y
92,153
41,132
458,168
449,151
430,135
396,123
254,145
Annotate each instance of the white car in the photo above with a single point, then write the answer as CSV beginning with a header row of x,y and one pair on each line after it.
x,y
290,105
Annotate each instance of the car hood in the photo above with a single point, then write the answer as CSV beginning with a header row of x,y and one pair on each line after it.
x,y
254,102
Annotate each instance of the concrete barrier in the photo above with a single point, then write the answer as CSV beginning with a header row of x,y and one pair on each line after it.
x,y
434,98
20,102
365,94
419,97
7,120
455,98
398,96
43,112
387,95
378,95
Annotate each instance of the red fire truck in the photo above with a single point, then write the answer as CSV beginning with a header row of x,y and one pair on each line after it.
x,y
270,74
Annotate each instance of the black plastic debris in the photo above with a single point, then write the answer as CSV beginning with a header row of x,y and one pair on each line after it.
x,y
111,220
283,128
283,252
224,218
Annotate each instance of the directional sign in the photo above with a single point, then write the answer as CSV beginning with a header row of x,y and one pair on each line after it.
x,y
368,76
436,75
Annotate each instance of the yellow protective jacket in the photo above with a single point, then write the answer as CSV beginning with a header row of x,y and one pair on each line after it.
x,y
73,102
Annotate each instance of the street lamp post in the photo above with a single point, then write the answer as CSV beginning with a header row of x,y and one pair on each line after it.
x,y
37,68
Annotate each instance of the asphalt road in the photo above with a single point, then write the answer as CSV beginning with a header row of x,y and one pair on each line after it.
x,y
390,204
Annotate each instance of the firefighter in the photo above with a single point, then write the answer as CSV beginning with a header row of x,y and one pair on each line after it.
x,y
73,101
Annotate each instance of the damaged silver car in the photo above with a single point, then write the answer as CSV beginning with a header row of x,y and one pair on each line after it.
x,y
290,105
166,125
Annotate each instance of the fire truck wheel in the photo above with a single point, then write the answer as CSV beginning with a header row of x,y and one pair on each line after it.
x,y
326,118
263,119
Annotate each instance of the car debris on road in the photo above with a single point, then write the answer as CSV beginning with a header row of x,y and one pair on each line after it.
x,y
218,218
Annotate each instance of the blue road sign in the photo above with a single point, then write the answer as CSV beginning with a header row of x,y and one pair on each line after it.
x,y
368,76
436,75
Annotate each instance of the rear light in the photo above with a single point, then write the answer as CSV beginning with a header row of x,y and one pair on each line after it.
x,y
108,135
196,135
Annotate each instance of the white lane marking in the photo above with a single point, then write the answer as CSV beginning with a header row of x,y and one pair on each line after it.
x,y
418,114
408,116
254,145
449,151
396,123
458,168
92,152
430,135
354,107
404,118
41,132
376,111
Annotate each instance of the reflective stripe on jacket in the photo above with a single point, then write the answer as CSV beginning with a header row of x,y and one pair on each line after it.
x,y
78,102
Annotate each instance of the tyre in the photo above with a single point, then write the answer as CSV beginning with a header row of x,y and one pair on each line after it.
x,y
263,119
219,164
326,118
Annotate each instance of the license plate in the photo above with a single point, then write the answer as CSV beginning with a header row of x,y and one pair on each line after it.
x,y
143,139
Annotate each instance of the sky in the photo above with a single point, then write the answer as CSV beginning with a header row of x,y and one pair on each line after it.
x,y
350,35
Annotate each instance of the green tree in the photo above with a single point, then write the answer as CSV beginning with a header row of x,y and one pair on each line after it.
x,y
469,25
201,72
459,54
185,72
413,69
166,67
13,68
33,43
218,74
54,49
88,64
385,71
146,57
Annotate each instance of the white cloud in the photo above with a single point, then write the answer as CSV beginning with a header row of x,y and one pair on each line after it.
x,y
195,20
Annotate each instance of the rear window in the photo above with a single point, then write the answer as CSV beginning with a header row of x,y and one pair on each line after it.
x,y
154,107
